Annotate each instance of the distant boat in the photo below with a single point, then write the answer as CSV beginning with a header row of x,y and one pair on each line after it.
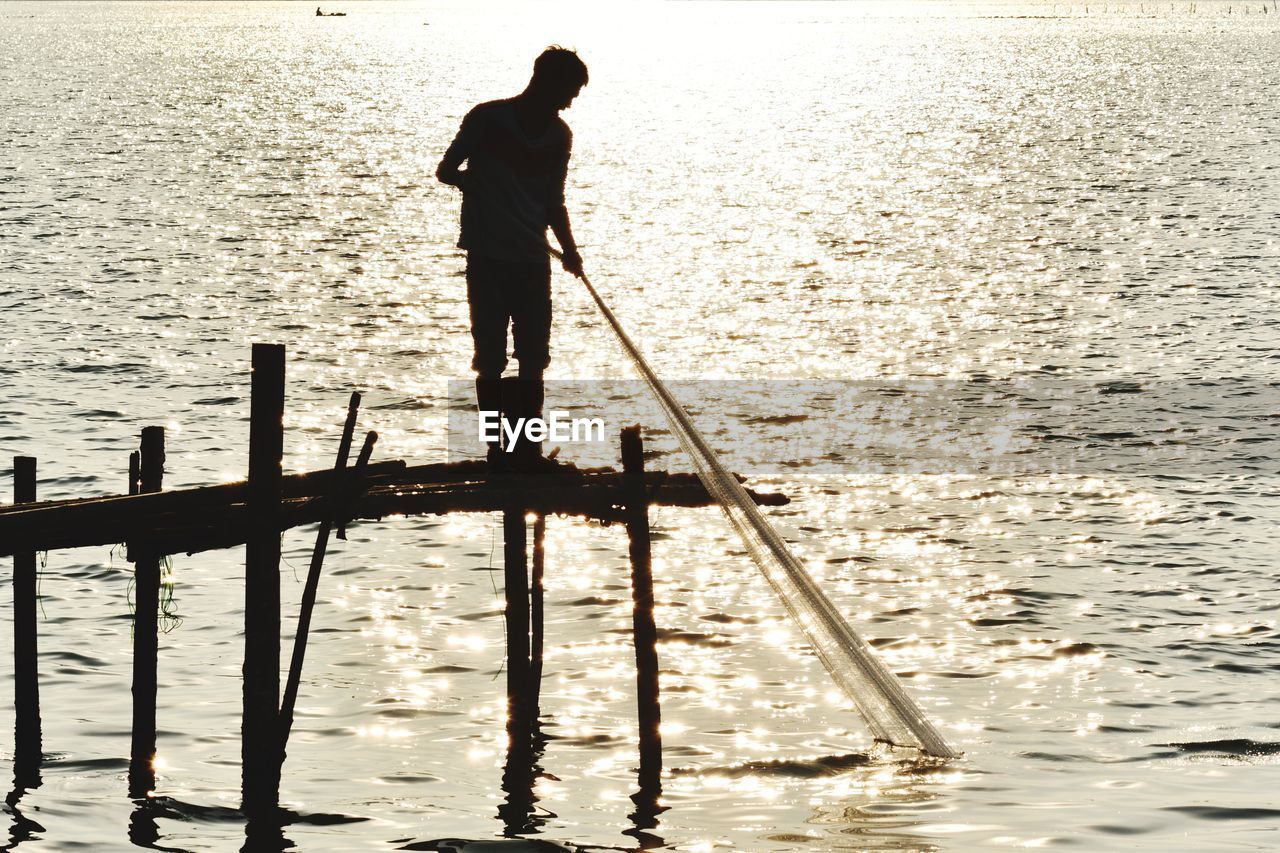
x,y
320,14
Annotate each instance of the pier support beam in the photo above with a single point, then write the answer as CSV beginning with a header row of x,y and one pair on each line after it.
x,y
644,630
537,609
260,731
27,736
146,596
524,675
516,575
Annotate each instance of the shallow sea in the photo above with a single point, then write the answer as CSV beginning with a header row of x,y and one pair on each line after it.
x,y
996,285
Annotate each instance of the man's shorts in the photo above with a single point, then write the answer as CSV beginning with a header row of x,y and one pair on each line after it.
x,y
516,292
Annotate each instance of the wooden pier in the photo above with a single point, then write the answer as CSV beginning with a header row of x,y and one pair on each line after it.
x,y
155,524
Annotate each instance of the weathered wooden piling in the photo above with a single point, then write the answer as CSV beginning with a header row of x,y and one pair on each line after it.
x,y
26,680
537,606
260,752
644,630
146,611
525,742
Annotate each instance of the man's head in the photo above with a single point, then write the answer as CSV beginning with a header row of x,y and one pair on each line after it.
x,y
558,75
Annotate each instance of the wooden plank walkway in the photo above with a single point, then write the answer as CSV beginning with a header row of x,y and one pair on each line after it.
x,y
210,517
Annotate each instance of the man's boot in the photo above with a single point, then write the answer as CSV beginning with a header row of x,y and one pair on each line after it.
x,y
523,399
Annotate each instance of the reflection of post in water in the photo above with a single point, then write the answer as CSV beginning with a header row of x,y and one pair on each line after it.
x,y
525,746
263,833
648,802
143,829
21,827
645,636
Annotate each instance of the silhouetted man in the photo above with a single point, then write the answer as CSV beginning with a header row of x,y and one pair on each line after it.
x,y
517,155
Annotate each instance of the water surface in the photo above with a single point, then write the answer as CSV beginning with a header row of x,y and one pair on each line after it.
x,y
1069,213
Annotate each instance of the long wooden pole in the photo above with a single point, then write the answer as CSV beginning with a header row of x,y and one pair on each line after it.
x,y
260,732
146,596
312,586
26,681
355,486
644,630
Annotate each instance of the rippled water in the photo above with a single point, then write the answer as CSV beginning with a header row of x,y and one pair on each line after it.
x,y
1060,221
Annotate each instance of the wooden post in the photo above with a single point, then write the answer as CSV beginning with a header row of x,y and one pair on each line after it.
x,y
26,681
146,596
524,655
260,728
516,574
536,606
644,631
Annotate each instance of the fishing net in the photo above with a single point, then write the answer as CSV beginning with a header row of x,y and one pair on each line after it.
x,y
878,695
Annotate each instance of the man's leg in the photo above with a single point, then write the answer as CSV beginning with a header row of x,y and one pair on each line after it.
x,y
531,334
489,316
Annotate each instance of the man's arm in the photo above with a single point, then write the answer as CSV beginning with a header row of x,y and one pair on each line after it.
x,y
558,217
478,135
448,172
564,235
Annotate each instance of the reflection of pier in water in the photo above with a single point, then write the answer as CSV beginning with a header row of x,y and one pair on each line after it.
x,y
254,513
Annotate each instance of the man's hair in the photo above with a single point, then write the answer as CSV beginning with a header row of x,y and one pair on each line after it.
x,y
560,65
